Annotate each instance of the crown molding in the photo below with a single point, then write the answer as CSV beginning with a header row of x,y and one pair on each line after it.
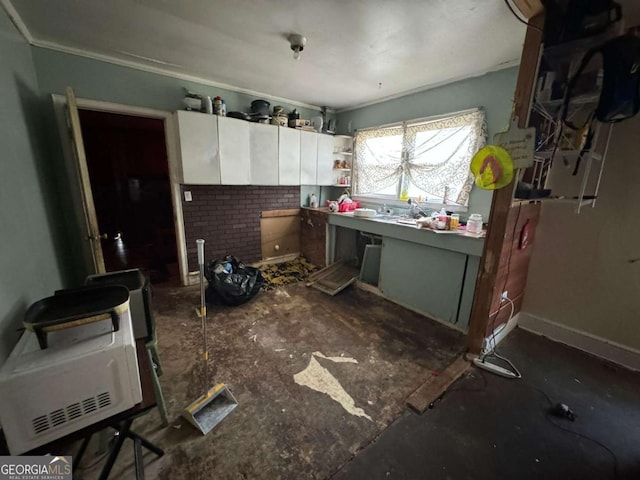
x,y
138,65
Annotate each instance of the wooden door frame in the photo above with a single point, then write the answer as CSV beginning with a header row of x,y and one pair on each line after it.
x,y
170,134
502,198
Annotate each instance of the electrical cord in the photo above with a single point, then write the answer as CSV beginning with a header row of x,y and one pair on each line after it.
x,y
520,19
546,416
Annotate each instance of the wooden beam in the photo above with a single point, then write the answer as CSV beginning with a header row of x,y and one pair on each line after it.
x,y
490,261
435,386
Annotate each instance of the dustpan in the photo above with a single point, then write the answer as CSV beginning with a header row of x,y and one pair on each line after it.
x,y
216,403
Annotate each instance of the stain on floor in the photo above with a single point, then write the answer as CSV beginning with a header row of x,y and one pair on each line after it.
x,y
282,430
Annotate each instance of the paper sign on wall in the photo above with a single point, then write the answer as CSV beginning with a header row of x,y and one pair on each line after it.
x,y
519,142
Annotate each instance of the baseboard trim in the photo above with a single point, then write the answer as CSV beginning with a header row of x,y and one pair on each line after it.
x,y
600,347
500,333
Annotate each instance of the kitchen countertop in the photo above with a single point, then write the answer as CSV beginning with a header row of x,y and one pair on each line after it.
x,y
469,245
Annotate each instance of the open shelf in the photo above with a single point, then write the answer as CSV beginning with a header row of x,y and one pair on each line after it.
x,y
555,200
342,169
343,153
571,154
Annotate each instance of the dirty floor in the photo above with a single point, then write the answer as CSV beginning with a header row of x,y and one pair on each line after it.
x,y
286,427
489,427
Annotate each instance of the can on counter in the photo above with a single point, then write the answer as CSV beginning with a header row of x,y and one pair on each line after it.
x,y
455,221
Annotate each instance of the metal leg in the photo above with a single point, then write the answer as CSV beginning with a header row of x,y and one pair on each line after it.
x,y
79,455
162,408
137,454
124,433
146,443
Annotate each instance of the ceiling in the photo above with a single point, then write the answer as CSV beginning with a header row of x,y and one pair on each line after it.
x,y
358,51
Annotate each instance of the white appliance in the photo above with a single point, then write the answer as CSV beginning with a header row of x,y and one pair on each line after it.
x,y
87,373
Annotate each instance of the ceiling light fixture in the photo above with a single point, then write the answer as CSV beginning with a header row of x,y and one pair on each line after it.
x,y
297,42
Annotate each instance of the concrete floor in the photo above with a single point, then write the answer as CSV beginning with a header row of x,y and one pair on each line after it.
x,y
283,430
488,427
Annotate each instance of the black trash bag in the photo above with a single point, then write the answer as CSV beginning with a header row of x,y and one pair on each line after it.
x,y
231,282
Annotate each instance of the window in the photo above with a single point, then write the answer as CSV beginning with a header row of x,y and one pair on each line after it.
x,y
428,159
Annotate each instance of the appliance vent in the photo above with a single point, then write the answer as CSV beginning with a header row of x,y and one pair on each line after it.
x,y
89,405
40,424
58,417
75,410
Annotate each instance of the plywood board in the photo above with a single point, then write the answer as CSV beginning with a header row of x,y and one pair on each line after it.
x,y
280,213
436,385
279,235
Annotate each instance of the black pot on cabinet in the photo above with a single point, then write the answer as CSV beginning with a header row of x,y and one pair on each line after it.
x,y
260,107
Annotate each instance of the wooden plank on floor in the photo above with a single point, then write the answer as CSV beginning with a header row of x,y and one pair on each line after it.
x,y
419,400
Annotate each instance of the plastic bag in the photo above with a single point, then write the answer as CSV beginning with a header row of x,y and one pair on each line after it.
x,y
231,282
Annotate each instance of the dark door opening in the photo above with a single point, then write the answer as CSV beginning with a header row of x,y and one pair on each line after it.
x,y
129,173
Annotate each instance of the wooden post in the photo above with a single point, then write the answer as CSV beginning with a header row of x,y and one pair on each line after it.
x,y
502,198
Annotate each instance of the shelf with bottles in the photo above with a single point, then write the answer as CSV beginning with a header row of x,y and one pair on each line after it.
x,y
344,179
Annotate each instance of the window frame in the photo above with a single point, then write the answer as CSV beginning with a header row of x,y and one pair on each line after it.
x,y
390,201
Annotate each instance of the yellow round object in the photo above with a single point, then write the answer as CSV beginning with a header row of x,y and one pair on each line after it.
x,y
492,167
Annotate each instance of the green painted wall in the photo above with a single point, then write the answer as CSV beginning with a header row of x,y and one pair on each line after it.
x,y
31,266
98,80
493,91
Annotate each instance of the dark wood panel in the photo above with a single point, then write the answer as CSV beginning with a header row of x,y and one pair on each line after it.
x,y
313,236
503,315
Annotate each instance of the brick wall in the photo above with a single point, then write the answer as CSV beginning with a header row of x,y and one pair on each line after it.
x,y
228,218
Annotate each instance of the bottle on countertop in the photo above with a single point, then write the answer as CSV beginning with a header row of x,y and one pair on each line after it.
x,y
474,223
208,106
442,220
217,105
313,201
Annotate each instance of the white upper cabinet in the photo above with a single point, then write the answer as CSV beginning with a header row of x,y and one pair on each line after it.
x,y
308,158
263,154
234,140
199,153
325,172
289,156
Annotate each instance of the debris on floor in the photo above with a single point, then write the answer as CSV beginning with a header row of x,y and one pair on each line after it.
x,y
285,273
318,378
340,359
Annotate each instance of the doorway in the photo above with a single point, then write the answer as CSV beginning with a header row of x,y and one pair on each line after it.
x,y
128,170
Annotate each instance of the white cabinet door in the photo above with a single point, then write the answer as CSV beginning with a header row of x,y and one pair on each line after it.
x,y
308,158
288,156
199,155
325,160
233,136
263,154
